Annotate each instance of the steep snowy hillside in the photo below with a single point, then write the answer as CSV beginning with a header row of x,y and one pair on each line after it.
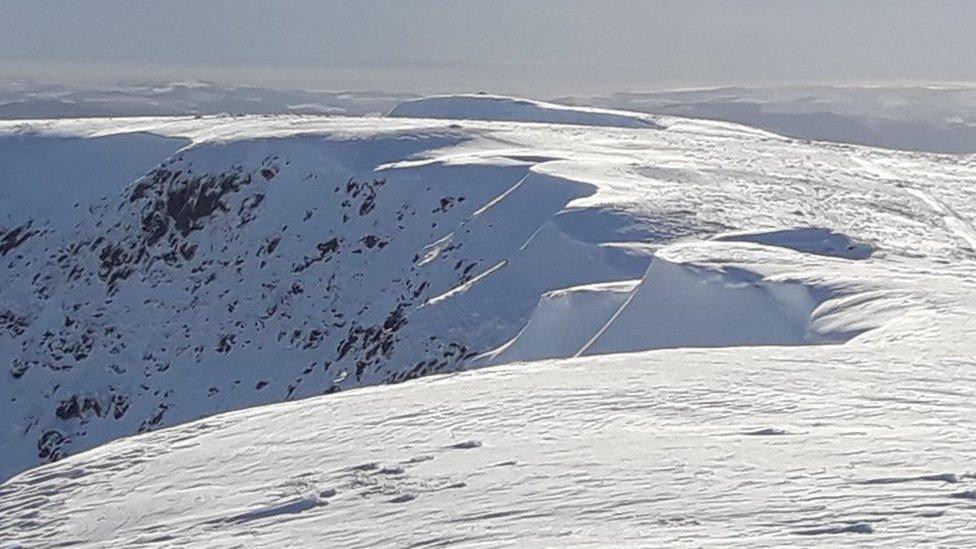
x,y
792,323
295,258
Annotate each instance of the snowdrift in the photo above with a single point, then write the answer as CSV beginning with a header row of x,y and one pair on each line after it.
x,y
811,240
704,295
563,322
720,293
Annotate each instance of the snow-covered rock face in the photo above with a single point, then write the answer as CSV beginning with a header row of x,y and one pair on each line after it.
x,y
225,263
253,271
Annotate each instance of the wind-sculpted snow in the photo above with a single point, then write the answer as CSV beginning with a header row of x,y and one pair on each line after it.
x,y
495,107
752,446
720,295
716,294
792,325
563,323
806,239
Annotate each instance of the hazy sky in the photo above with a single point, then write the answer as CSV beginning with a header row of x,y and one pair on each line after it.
x,y
532,46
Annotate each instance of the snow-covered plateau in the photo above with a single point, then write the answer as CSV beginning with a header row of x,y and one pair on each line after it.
x,y
614,329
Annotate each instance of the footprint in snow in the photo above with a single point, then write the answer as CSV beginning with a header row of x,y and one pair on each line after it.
x,y
402,498
948,478
466,445
854,528
767,432
292,507
372,466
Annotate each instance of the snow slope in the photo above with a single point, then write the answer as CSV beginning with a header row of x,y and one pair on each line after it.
x,y
936,118
790,326
563,322
861,444
336,252
499,107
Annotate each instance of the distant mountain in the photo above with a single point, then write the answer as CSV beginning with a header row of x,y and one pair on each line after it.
x,y
503,108
29,101
934,118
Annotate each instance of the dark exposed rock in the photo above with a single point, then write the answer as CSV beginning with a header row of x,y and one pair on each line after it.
x,y
75,407
172,200
76,346
365,189
152,255
372,342
15,237
325,249
49,446
188,250
249,205
420,289
226,343
372,241
18,368
269,246
195,199
155,419
12,323
448,202
120,405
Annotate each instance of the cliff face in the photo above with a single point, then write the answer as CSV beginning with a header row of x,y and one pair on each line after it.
x,y
251,271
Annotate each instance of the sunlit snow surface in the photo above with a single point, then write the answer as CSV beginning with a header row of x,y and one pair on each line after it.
x,y
812,307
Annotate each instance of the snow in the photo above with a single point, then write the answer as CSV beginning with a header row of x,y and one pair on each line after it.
x,y
752,446
807,239
42,178
32,100
926,118
562,323
498,107
936,118
713,295
738,338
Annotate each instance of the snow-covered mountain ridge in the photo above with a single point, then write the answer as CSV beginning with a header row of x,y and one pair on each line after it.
x,y
504,108
168,299
262,259
936,118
